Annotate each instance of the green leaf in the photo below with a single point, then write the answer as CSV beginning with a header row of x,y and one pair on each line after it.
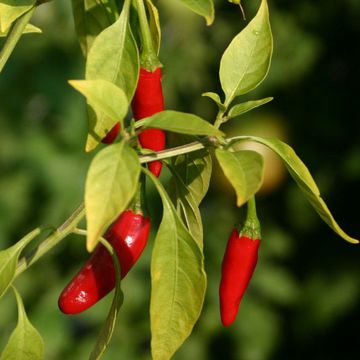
x,y
111,183
109,326
188,209
29,29
9,259
195,171
216,98
304,180
154,24
25,342
10,10
242,108
14,36
113,57
91,17
179,122
204,8
246,61
244,169
178,281
105,97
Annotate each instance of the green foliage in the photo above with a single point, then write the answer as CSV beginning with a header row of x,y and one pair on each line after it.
x,y
244,169
25,342
52,182
109,326
9,260
110,185
113,57
103,97
246,61
204,8
178,282
179,122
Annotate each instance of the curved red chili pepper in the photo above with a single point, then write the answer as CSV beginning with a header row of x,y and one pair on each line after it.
x,y
111,135
128,235
148,100
238,266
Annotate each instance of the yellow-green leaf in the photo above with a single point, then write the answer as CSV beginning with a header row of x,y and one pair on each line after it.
x,y
25,342
103,96
110,185
246,61
9,260
178,282
304,180
203,8
244,169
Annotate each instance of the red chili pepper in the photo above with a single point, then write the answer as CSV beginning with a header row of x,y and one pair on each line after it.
x,y
111,135
148,100
238,266
128,235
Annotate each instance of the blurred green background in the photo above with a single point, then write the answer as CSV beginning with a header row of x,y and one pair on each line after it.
x,y
303,300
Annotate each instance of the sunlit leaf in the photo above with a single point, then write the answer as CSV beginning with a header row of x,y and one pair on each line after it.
x,y
204,8
105,97
179,122
113,57
110,185
25,342
243,108
9,260
216,98
304,180
178,282
10,10
244,169
246,61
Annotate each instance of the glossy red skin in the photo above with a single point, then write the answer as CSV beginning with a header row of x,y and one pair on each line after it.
x,y
128,235
149,100
111,135
238,266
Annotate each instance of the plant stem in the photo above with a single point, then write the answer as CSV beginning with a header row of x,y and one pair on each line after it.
x,y
149,59
61,232
14,36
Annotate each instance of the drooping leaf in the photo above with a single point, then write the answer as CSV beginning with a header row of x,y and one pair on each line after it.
x,y
154,24
10,10
110,185
216,98
25,342
304,180
113,57
242,108
91,17
204,8
109,326
9,260
246,61
178,282
179,122
103,96
244,169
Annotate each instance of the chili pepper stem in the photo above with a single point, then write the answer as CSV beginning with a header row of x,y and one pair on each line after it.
x,y
251,227
149,59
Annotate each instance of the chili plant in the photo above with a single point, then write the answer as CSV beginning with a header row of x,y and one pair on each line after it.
x,y
120,41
